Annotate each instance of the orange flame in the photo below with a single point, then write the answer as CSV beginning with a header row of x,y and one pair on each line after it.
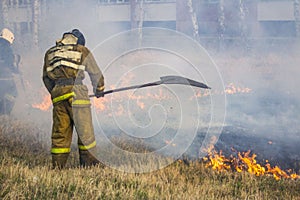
x,y
200,94
232,89
217,162
170,143
229,89
245,162
250,164
45,104
99,104
104,103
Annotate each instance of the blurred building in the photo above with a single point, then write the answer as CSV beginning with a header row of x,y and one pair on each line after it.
x,y
22,17
198,18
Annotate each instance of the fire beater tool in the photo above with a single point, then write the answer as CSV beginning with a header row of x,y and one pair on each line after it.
x,y
168,80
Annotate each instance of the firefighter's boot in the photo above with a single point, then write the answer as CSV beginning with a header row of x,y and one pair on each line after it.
x,y
59,160
87,158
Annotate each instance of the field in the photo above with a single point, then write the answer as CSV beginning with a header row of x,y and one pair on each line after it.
x,y
25,173
261,116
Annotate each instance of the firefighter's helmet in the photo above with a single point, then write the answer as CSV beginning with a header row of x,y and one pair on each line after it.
x,y
7,35
78,35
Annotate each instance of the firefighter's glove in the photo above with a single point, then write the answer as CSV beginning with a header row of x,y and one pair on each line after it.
x,y
99,93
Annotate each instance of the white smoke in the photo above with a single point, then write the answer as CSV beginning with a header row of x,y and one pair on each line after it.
x,y
269,66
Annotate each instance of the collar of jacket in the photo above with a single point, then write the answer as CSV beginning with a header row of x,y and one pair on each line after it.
x,y
68,39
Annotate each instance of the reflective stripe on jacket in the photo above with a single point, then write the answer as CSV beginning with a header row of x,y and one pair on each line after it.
x,y
70,61
63,97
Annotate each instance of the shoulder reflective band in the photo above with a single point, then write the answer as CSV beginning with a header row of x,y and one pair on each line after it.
x,y
70,55
60,150
81,102
84,148
65,47
63,97
70,39
67,64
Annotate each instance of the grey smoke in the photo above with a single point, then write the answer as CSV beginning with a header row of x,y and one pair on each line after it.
x,y
269,66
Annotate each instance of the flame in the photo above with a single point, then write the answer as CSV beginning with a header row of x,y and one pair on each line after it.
x,y
99,104
118,99
245,162
218,162
138,100
250,164
120,110
104,104
232,89
170,143
200,94
45,104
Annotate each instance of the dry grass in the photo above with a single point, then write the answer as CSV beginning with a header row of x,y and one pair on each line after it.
x,y
25,174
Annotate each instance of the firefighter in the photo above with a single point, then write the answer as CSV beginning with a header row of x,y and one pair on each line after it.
x,y
63,72
8,66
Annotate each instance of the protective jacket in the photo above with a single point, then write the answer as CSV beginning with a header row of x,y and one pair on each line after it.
x,y
63,73
8,89
6,54
67,62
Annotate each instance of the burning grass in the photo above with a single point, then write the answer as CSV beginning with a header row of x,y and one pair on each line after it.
x,y
245,162
25,174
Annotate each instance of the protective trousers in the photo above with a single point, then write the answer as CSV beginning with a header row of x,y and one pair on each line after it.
x,y
8,93
65,117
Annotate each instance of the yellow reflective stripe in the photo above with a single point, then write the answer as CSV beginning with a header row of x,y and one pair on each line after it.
x,y
63,97
81,102
60,150
67,64
87,147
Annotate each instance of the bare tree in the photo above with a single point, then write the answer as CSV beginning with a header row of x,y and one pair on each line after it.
x,y
244,29
221,20
4,12
133,16
141,21
194,19
35,20
297,16
1,15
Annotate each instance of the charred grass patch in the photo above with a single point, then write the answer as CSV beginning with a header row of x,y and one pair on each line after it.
x,y
25,173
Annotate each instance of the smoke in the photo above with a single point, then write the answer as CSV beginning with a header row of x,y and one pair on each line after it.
x,y
268,66
55,19
258,60
272,76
